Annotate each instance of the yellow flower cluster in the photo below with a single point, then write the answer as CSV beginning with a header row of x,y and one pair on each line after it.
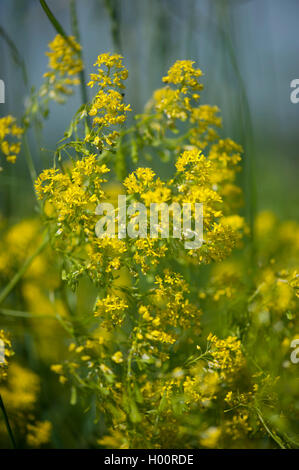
x,y
107,107
134,331
133,344
176,103
39,433
159,318
63,56
5,354
210,437
201,386
227,355
140,180
103,79
160,336
17,243
73,196
20,394
183,74
148,252
65,64
171,293
21,390
111,308
118,357
238,427
104,254
10,135
193,182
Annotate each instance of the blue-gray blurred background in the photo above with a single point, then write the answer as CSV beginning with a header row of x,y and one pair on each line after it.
x,y
248,50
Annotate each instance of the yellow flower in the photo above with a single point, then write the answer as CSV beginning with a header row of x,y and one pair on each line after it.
x,y
57,368
176,103
227,355
188,157
64,65
183,73
5,354
112,308
210,437
107,107
64,57
140,180
39,433
105,369
8,132
21,388
117,357
160,336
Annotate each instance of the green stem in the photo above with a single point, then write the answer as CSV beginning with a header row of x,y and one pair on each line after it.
x,y
9,430
155,431
61,31
273,435
29,159
21,314
56,24
6,291
15,55
202,356
76,33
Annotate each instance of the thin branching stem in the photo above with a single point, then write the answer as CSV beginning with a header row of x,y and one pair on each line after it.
x,y
7,424
56,24
76,33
